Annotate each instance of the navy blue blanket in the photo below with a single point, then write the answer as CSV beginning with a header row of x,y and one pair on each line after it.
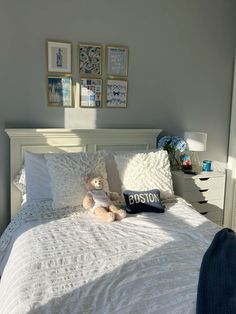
x,y
217,279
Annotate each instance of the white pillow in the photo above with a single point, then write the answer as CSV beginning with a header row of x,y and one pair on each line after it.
x,y
145,171
112,171
37,177
19,181
68,172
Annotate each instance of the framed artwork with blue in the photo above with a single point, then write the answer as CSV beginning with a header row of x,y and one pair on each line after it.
x,y
59,57
90,59
116,93
90,93
59,91
117,60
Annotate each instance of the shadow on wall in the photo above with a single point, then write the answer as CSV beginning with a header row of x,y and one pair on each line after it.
x,y
4,180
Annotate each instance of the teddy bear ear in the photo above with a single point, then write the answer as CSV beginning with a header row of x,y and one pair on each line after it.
x,y
100,177
87,178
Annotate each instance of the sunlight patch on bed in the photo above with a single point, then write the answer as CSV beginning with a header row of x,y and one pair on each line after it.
x,y
188,216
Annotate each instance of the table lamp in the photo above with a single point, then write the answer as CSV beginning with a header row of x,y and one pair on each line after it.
x,y
196,142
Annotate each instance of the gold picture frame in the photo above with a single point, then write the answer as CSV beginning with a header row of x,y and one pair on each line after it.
x,y
59,57
90,59
117,59
116,93
60,91
91,92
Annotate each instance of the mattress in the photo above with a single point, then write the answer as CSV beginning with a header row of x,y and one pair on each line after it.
x,y
66,261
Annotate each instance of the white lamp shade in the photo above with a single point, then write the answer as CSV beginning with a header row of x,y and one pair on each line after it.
x,y
196,141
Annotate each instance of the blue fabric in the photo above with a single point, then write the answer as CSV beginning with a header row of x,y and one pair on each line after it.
x,y
217,279
143,201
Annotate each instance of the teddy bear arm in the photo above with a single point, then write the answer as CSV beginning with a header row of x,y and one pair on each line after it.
x,y
88,201
114,196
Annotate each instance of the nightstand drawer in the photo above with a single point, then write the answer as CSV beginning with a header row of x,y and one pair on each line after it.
x,y
208,206
205,191
216,183
202,195
215,216
211,211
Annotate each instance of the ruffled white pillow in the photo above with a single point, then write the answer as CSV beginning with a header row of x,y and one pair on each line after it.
x,y
145,171
68,172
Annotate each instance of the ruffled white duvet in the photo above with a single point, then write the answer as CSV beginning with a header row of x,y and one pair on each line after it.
x,y
65,261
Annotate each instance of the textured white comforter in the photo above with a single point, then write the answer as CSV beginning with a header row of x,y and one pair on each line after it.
x,y
65,261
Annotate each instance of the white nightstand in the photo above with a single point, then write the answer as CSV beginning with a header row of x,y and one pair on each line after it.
x,y
205,191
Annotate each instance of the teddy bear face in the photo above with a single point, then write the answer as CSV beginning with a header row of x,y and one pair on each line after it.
x,y
95,183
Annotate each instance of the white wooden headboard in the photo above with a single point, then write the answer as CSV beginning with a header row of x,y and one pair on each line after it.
x,y
68,140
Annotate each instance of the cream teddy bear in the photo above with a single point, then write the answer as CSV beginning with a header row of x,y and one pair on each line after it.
x,y
99,203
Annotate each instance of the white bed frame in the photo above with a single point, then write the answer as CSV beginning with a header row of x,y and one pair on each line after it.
x,y
67,140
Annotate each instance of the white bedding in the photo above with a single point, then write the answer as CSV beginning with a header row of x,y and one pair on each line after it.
x,y
65,261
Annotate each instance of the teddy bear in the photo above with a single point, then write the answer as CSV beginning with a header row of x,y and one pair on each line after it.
x,y
99,202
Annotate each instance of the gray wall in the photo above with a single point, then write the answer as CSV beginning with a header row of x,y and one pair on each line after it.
x,y
180,70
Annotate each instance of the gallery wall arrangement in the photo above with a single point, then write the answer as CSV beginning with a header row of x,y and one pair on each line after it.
x,y
102,72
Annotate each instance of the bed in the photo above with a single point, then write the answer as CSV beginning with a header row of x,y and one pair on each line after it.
x,y
64,260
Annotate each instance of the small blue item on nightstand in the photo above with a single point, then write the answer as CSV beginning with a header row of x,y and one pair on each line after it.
x,y
206,165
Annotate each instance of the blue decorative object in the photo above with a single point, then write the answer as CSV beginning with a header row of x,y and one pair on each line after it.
x,y
206,165
172,144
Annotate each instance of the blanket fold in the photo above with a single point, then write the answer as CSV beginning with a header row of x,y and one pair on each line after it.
x,y
217,279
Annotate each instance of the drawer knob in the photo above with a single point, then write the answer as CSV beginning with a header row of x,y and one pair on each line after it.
x,y
203,190
204,179
202,202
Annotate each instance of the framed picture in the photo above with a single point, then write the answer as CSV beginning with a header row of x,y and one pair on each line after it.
x,y
59,91
185,162
117,60
90,93
90,59
58,57
116,93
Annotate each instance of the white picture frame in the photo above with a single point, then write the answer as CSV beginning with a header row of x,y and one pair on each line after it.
x,y
59,57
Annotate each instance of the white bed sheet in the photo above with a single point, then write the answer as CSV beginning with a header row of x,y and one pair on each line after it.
x,y
66,261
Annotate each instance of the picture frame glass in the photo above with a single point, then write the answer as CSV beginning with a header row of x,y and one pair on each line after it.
x,y
90,93
185,162
90,59
59,91
117,61
59,57
116,93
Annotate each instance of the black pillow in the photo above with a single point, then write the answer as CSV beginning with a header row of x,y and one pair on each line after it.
x,y
143,201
